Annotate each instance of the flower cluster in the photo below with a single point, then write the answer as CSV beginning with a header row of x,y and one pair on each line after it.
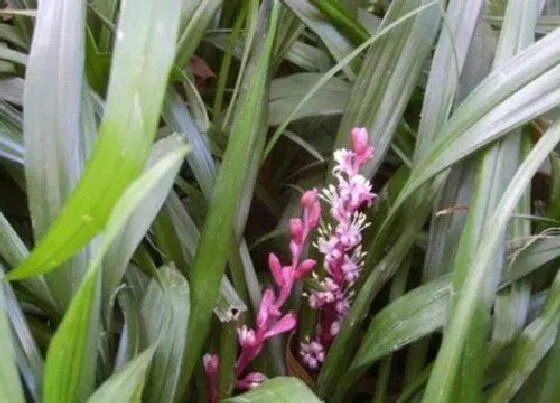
x,y
270,320
340,245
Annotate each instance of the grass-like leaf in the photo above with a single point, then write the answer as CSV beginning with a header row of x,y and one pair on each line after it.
x,y
164,314
127,384
145,40
214,247
9,378
70,368
53,149
469,303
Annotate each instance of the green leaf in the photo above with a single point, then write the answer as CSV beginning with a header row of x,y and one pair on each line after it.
x,y
145,39
337,44
287,91
13,251
127,384
277,390
178,117
195,18
70,364
164,313
10,384
531,346
507,98
379,36
388,77
121,250
470,303
424,310
214,247
29,357
53,150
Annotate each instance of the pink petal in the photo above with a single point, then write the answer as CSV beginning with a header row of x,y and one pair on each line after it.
x,y
276,269
304,268
264,310
287,323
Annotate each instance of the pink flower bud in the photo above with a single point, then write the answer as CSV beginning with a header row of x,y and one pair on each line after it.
x,y
359,139
314,215
308,198
211,363
304,268
296,229
276,269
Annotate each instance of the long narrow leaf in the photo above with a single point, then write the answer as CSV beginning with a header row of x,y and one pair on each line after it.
x,y
213,250
126,385
145,40
70,364
469,304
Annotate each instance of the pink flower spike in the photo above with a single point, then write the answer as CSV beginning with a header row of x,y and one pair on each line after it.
x,y
296,229
287,323
308,198
304,268
252,380
276,269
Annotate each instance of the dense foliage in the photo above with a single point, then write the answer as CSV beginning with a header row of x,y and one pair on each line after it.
x,y
279,200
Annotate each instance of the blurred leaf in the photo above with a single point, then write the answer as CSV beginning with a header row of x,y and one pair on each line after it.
x,y
178,117
13,251
127,384
550,386
214,247
342,18
330,99
531,346
10,384
337,44
164,313
129,342
11,143
11,34
28,355
11,90
195,17
70,364
277,390
308,57
126,133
